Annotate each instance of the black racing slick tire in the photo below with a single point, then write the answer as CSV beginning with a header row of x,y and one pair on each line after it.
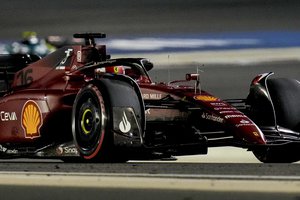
x,y
90,124
283,154
285,95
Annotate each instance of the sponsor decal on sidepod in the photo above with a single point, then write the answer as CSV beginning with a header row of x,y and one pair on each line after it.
x,y
8,116
212,117
124,125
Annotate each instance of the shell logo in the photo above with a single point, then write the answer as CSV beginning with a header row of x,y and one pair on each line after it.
x,y
205,98
31,119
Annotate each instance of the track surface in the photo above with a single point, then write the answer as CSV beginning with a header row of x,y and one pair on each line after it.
x,y
162,169
135,180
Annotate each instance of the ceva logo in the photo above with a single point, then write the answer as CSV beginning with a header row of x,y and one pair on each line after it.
x,y
8,116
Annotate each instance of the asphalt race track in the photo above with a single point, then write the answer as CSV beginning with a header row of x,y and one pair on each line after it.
x,y
225,176
152,180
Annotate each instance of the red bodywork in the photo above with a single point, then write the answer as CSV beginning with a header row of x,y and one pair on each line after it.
x,y
36,111
213,109
40,98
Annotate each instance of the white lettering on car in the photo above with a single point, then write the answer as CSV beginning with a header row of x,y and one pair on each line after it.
x,y
234,116
152,96
212,117
8,116
68,54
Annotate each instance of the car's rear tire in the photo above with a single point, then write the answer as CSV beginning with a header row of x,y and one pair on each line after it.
x,y
90,121
285,95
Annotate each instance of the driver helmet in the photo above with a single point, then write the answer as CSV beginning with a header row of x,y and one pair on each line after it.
x,y
30,38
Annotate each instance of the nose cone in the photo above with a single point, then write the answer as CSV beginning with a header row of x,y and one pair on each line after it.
x,y
250,133
235,122
244,128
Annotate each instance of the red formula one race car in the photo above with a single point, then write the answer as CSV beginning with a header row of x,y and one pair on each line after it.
x,y
79,103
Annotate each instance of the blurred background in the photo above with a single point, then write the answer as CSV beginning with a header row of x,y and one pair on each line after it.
x,y
147,17
156,26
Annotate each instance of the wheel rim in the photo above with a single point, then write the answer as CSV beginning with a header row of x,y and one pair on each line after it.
x,y
86,121
88,124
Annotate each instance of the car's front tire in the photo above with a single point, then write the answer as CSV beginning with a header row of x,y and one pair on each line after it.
x,y
285,95
282,154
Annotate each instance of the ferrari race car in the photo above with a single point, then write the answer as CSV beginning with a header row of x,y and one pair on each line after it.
x,y
78,103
